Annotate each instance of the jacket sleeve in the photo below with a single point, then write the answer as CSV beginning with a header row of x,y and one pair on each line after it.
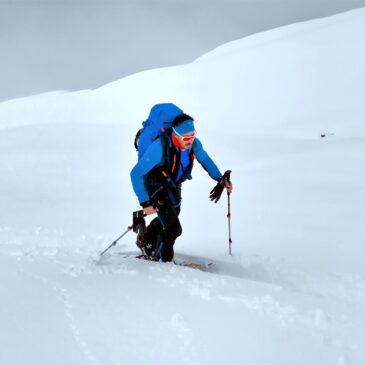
x,y
204,159
151,158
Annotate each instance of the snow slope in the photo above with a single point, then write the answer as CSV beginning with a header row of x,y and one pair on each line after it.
x,y
294,290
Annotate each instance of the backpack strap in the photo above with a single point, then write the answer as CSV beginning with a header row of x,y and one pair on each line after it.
x,y
166,148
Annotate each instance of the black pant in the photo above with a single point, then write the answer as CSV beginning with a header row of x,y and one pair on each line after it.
x,y
165,228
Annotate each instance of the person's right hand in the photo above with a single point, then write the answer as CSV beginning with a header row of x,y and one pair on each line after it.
x,y
150,210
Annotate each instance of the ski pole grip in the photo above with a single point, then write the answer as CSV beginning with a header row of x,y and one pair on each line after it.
x,y
227,175
139,224
139,214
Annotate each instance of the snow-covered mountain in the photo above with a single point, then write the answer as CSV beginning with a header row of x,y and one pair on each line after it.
x,y
301,79
284,111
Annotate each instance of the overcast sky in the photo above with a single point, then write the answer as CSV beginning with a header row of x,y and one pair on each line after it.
x,y
77,44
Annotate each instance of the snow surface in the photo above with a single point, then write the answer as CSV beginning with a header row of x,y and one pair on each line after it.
x,y
294,290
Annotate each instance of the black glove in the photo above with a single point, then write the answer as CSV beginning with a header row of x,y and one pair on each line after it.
x,y
139,224
216,193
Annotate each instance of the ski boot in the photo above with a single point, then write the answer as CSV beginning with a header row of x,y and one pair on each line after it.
x,y
147,249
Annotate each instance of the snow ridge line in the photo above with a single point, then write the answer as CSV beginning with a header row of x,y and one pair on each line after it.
x,y
317,320
268,305
320,323
65,298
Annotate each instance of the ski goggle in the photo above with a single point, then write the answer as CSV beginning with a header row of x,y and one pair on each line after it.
x,y
185,138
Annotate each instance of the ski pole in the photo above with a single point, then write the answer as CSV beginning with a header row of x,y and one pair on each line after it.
x,y
115,242
138,226
229,223
228,176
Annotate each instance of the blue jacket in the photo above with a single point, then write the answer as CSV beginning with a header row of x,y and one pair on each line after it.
x,y
154,157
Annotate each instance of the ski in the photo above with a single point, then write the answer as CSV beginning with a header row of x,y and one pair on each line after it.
x,y
194,265
202,266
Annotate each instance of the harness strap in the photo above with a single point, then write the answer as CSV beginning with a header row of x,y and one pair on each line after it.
x,y
158,253
156,191
168,179
173,164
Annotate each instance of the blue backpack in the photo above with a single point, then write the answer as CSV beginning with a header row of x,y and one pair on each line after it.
x,y
159,121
